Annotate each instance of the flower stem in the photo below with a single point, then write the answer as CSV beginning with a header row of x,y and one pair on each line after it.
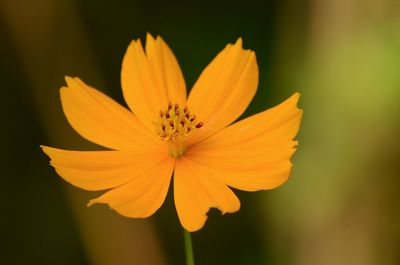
x,y
188,247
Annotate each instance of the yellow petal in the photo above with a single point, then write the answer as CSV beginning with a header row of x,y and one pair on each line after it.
x,y
151,80
101,120
196,190
253,154
224,89
99,170
143,195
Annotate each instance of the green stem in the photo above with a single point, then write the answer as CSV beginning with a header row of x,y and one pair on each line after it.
x,y
188,247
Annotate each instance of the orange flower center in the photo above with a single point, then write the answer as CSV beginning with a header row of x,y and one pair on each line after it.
x,y
174,125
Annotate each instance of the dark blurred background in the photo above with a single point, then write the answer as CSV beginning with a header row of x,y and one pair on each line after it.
x,y
341,204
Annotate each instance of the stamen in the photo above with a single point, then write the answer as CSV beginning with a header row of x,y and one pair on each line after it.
x,y
174,125
199,125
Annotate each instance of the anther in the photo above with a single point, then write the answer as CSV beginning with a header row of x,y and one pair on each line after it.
x,y
176,106
192,118
161,113
199,125
171,123
169,106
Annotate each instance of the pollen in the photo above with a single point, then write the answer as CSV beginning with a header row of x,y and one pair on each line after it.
x,y
176,123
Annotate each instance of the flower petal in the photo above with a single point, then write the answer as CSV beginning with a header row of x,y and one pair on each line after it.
x,y
224,89
151,80
143,195
99,170
101,120
196,190
253,154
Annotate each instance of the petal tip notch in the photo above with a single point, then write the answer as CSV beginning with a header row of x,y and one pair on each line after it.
x,y
69,80
91,202
239,42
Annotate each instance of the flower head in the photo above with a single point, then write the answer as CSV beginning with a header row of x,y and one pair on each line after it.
x,y
165,133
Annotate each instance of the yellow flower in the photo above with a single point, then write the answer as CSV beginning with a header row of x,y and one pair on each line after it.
x,y
165,133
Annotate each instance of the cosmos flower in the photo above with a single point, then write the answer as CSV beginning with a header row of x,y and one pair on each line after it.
x,y
165,134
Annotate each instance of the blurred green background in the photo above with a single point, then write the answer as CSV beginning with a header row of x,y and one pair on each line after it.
x,y
341,204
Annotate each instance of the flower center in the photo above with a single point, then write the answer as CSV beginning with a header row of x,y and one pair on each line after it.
x,y
174,125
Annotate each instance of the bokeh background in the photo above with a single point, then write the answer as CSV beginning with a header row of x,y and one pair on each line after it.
x,y
341,204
